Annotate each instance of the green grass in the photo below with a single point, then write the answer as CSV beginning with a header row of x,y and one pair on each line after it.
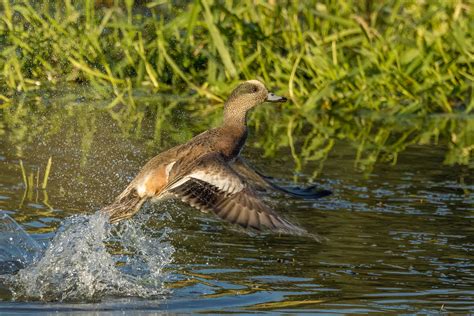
x,y
349,67
396,56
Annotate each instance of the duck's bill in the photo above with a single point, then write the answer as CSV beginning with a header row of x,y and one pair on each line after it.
x,y
271,97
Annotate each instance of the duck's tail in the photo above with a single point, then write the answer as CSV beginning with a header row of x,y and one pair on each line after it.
x,y
125,205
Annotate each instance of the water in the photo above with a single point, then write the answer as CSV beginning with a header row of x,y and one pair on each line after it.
x,y
400,239
76,265
17,248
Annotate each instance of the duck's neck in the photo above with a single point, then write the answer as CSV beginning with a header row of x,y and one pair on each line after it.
x,y
235,119
235,127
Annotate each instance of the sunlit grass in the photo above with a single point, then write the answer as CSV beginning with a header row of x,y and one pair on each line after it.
x,y
353,70
32,185
393,56
29,182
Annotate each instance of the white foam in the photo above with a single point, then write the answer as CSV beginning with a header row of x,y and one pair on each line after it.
x,y
78,264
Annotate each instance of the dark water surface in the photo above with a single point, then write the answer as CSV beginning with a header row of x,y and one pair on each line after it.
x,y
400,239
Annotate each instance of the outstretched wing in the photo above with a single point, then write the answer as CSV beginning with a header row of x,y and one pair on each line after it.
x,y
213,186
262,182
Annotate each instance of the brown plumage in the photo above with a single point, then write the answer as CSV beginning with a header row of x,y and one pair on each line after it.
x,y
207,172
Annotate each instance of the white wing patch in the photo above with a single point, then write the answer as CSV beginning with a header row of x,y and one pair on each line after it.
x,y
231,184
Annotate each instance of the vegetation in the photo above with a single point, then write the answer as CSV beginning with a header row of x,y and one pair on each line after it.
x,y
353,70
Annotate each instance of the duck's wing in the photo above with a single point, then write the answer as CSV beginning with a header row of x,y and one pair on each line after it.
x,y
211,185
262,182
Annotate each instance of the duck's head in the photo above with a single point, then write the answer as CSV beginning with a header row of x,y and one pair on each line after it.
x,y
246,96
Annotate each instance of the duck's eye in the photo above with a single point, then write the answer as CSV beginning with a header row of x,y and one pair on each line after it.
x,y
254,89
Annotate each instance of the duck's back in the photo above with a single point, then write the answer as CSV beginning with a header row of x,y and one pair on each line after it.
x,y
197,146
225,141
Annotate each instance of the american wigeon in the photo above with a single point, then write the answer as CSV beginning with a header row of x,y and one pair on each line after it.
x,y
208,173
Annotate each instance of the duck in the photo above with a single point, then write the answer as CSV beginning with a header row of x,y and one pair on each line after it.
x,y
209,174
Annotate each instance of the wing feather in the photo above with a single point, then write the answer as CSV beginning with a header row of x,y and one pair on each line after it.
x,y
213,186
264,183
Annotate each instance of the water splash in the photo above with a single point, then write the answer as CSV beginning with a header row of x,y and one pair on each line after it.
x,y
78,265
17,248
